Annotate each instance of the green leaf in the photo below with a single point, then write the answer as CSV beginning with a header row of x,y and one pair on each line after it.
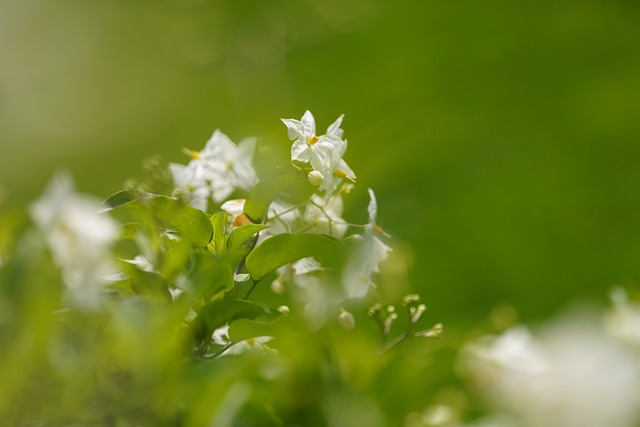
x,y
190,222
240,235
218,313
293,188
219,242
243,329
212,274
118,199
284,248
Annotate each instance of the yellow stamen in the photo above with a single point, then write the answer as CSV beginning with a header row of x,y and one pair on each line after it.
x,y
378,229
312,140
340,173
191,153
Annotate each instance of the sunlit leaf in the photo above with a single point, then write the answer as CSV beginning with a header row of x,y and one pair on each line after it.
x,y
285,248
218,243
240,235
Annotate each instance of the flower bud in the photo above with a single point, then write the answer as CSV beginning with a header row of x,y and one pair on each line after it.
x,y
346,320
315,178
410,300
283,309
277,287
434,332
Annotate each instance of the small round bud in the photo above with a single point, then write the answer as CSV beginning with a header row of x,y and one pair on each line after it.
x,y
283,309
277,287
346,320
315,178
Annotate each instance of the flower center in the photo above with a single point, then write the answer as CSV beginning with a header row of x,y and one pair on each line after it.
x,y
312,140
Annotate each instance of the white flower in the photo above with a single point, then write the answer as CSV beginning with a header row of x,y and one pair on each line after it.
x,y
325,217
571,374
196,190
78,236
324,153
281,218
228,166
216,171
370,251
303,134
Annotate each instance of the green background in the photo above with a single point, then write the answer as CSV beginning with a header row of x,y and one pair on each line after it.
x,y
500,137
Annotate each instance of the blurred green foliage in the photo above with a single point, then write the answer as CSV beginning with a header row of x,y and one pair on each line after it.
x,y
500,137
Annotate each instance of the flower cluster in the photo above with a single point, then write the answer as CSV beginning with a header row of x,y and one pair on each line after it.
x,y
322,153
215,171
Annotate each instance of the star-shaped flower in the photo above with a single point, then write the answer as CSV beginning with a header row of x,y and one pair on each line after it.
x,y
216,171
324,153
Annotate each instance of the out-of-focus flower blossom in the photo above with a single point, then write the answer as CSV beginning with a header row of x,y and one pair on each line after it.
x,y
140,262
195,190
282,217
370,251
623,321
78,236
325,217
220,336
572,374
216,171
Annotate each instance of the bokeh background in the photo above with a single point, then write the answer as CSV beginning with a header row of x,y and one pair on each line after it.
x,y
502,138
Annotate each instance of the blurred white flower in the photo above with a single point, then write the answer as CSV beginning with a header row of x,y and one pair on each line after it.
x,y
216,171
572,374
623,321
282,217
140,262
78,236
195,190
220,336
325,217
369,252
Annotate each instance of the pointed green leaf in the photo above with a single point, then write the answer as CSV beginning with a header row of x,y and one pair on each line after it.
x,y
240,235
118,199
284,248
191,222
